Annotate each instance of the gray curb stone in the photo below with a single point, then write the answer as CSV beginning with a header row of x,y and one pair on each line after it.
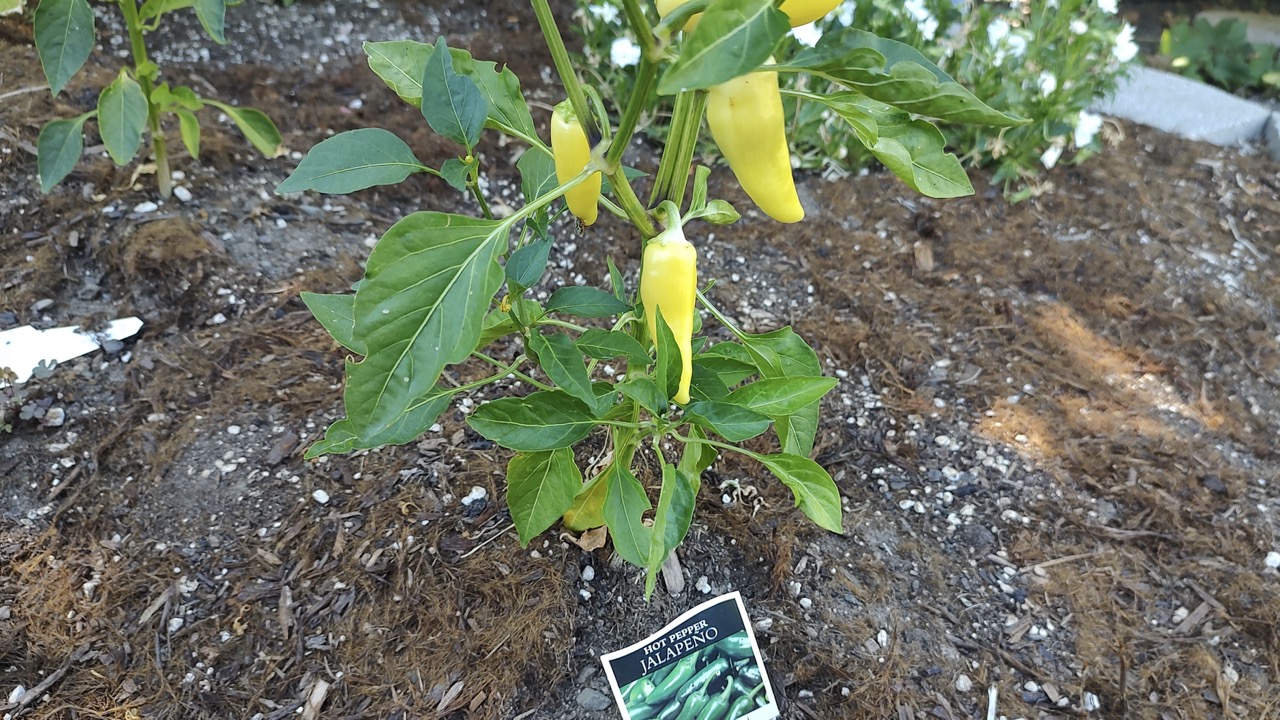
x,y
1187,108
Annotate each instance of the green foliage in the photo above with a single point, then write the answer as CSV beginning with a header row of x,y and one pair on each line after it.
x,y
1222,55
132,105
1043,60
439,288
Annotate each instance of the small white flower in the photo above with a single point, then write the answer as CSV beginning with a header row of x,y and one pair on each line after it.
x,y
1017,43
929,27
1079,27
1087,126
1048,83
845,12
807,35
997,31
1050,156
607,13
1107,6
624,52
1125,48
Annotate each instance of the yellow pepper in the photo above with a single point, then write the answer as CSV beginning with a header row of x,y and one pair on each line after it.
x,y
798,12
572,152
803,12
669,282
746,120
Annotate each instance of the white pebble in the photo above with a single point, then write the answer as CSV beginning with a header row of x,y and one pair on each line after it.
x,y
806,603
233,429
175,624
702,585
320,496
588,573
963,683
1273,559
16,694
146,207
182,193
1090,702
476,495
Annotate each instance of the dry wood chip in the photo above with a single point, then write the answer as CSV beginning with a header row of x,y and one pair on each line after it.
x,y
1193,620
315,699
590,540
450,696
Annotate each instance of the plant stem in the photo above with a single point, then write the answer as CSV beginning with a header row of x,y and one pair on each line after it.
x,y
682,140
564,65
164,179
563,324
499,364
474,185
715,312
631,205
646,76
717,444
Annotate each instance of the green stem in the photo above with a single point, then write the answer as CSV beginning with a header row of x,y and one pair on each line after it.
x,y
631,204
498,363
715,312
646,76
473,184
682,140
164,178
503,372
564,65
676,20
717,444
624,424
563,324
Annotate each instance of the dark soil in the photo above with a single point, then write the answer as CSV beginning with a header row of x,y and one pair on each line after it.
x,y
1054,433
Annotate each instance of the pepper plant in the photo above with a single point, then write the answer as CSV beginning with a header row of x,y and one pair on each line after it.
x,y
438,288
134,103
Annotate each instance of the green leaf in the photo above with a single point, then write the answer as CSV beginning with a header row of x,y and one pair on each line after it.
x,y
730,361
815,492
401,65
732,422
182,96
897,74
336,314
585,302
697,456
256,127
155,8
189,128
668,366
615,281
914,150
671,519
609,344
783,353
213,16
421,305
64,38
58,149
536,422
525,266
624,507
454,172
781,396
587,510
706,385
122,116
458,109
353,160
10,7
345,436
537,178
733,37
561,360
646,392
540,488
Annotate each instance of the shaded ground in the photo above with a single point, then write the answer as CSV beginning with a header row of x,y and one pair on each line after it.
x,y
1054,435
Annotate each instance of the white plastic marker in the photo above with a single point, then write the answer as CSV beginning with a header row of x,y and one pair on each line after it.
x,y
23,349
